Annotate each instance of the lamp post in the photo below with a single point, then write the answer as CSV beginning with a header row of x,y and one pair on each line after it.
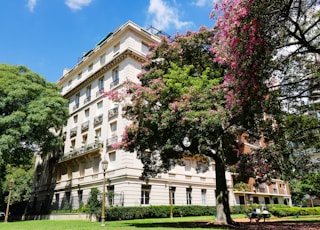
x,y
104,164
9,197
170,197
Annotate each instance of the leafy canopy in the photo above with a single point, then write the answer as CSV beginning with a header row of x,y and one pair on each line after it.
x,y
32,110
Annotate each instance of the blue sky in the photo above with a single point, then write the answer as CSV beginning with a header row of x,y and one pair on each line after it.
x,y
50,35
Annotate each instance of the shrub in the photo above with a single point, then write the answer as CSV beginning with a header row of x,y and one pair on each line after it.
x,y
94,205
127,213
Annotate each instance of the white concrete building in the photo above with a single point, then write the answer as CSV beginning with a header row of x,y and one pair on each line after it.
x,y
95,123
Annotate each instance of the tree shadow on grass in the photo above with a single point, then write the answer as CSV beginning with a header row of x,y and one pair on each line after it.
x,y
287,225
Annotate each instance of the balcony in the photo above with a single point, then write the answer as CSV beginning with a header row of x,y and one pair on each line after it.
x,y
100,92
73,132
85,149
98,120
113,112
114,83
76,106
87,100
85,126
112,140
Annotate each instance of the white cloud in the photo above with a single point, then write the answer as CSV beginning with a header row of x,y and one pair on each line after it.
x,y
77,4
164,15
204,3
200,3
31,4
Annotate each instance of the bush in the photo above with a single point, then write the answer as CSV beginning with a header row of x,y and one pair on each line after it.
x,y
238,209
294,211
128,213
94,205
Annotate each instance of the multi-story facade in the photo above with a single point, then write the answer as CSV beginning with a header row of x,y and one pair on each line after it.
x,y
96,123
276,192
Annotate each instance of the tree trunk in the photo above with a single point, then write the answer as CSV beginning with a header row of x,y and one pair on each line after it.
x,y
223,215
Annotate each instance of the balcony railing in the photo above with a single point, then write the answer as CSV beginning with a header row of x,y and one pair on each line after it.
x,y
73,132
85,126
114,83
112,140
100,92
83,150
98,120
262,190
88,99
113,112
76,106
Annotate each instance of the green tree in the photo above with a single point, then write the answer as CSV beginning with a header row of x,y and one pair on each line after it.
x,y
32,114
22,176
93,202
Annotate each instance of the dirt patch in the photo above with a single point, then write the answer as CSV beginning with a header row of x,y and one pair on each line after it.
x,y
244,224
280,225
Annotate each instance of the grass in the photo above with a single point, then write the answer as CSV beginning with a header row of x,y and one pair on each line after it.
x,y
141,224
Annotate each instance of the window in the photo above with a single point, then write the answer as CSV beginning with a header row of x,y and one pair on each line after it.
x,y
113,127
204,196
172,191
97,134
87,114
112,156
101,84
79,75
116,48
275,188
241,199
80,196
189,197
68,197
75,119
69,83
110,195
267,200
102,59
145,194
57,198
88,94
99,108
77,100
84,139
73,143
115,78
90,67
256,200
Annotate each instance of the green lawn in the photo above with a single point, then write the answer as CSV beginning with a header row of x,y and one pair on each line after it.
x,y
158,224
141,224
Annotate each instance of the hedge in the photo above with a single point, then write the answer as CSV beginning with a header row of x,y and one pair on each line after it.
x,y
127,213
162,211
294,211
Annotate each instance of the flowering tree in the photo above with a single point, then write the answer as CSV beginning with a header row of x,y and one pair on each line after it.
x,y
179,111
270,50
201,91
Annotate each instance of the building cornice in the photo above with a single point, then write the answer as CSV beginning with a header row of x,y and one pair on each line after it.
x,y
114,62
